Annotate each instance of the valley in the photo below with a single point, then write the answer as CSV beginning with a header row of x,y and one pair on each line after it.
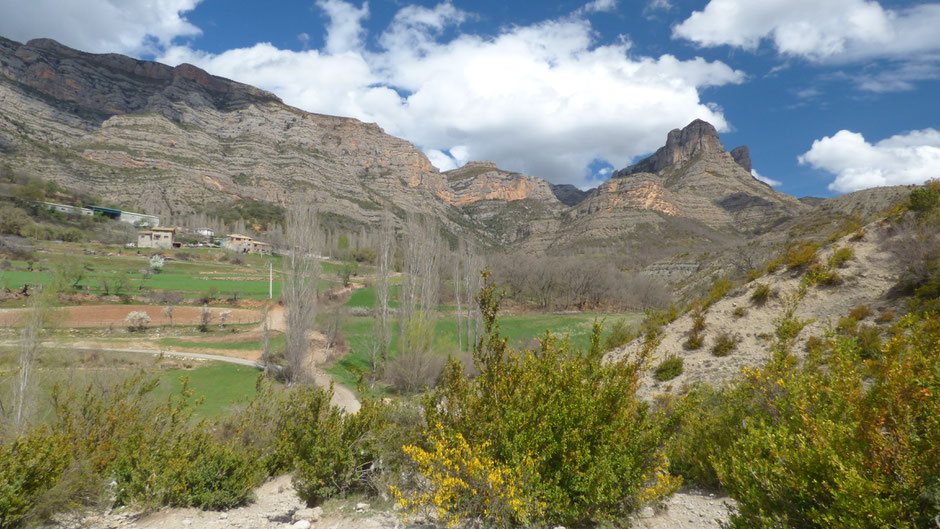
x,y
475,347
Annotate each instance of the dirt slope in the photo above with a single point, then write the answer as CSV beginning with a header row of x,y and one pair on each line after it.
x,y
867,279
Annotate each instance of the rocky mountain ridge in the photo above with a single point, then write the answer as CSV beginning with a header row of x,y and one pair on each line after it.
x,y
176,140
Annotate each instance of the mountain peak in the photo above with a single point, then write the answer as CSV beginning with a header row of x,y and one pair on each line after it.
x,y
699,136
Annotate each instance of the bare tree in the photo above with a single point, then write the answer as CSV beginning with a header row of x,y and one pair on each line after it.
x,y
379,347
301,277
30,344
168,313
265,342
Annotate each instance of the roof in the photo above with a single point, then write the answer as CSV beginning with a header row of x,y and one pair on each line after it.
x,y
238,236
163,229
106,210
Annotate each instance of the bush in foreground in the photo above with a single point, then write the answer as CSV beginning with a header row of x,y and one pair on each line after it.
x,y
558,436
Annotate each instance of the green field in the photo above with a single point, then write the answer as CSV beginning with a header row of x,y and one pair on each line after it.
x,y
520,329
222,385
277,342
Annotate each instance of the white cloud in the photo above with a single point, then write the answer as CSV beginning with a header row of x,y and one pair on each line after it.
x,y
911,158
130,26
599,6
345,30
832,30
544,99
769,181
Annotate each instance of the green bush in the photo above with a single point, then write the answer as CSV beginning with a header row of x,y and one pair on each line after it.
x,y
725,343
695,339
800,255
860,312
29,466
313,442
668,369
739,312
620,334
562,433
761,293
818,449
719,289
840,256
924,199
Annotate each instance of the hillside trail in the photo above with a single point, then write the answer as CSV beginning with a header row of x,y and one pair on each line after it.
x,y
277,506
343,397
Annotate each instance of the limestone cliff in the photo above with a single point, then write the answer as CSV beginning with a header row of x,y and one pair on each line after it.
x,y
168,140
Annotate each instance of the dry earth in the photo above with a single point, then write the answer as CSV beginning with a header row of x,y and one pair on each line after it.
x,y
114,315
868,278
276,506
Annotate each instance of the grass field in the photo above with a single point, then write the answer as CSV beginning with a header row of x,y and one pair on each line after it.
x,y
520,329
220,385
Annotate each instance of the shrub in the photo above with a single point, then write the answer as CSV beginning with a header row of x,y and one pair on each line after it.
x,y
860,312
885,317
924,199
800,255
29,466
695,339
668,369
725,343
739,312
314,439
840,256
718,290
858,235
855,455
761,293
137,321
620,334
156,263
523,416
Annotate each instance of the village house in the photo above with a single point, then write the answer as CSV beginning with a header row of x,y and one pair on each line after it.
x,y
245,244
156,238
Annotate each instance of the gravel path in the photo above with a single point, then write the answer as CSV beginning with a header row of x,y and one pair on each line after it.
x,y
277,507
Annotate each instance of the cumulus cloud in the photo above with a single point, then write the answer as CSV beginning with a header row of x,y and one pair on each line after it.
x,y
599,6
133,27
911,158
833,30
345,31
545,99
769,181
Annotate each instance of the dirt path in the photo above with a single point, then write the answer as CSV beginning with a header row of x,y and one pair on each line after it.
x,y
114,315
276,506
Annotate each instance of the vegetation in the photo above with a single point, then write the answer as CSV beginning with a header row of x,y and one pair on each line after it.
x,y
510,431
668,369
695,338
761,293
725,343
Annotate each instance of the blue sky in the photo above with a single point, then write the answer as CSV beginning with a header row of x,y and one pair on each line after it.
x,y
830,96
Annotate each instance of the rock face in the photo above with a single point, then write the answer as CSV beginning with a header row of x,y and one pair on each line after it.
x,y
508,206
693,176
742,156
568,194
166,140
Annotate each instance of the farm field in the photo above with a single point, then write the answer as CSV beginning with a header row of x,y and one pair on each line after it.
x,y
217,386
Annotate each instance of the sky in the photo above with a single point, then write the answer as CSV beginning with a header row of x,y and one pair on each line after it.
x,y
831,96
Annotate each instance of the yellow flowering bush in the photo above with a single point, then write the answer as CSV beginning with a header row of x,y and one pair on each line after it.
x,y
464,482
560,432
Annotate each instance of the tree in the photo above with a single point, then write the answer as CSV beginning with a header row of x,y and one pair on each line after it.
x,y
384,262
301,277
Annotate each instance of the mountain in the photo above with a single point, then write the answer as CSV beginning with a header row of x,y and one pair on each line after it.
x,y
508,206
172,141
691,196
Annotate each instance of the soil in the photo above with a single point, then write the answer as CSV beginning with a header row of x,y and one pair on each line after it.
x,y
276,503
114,315
867,279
